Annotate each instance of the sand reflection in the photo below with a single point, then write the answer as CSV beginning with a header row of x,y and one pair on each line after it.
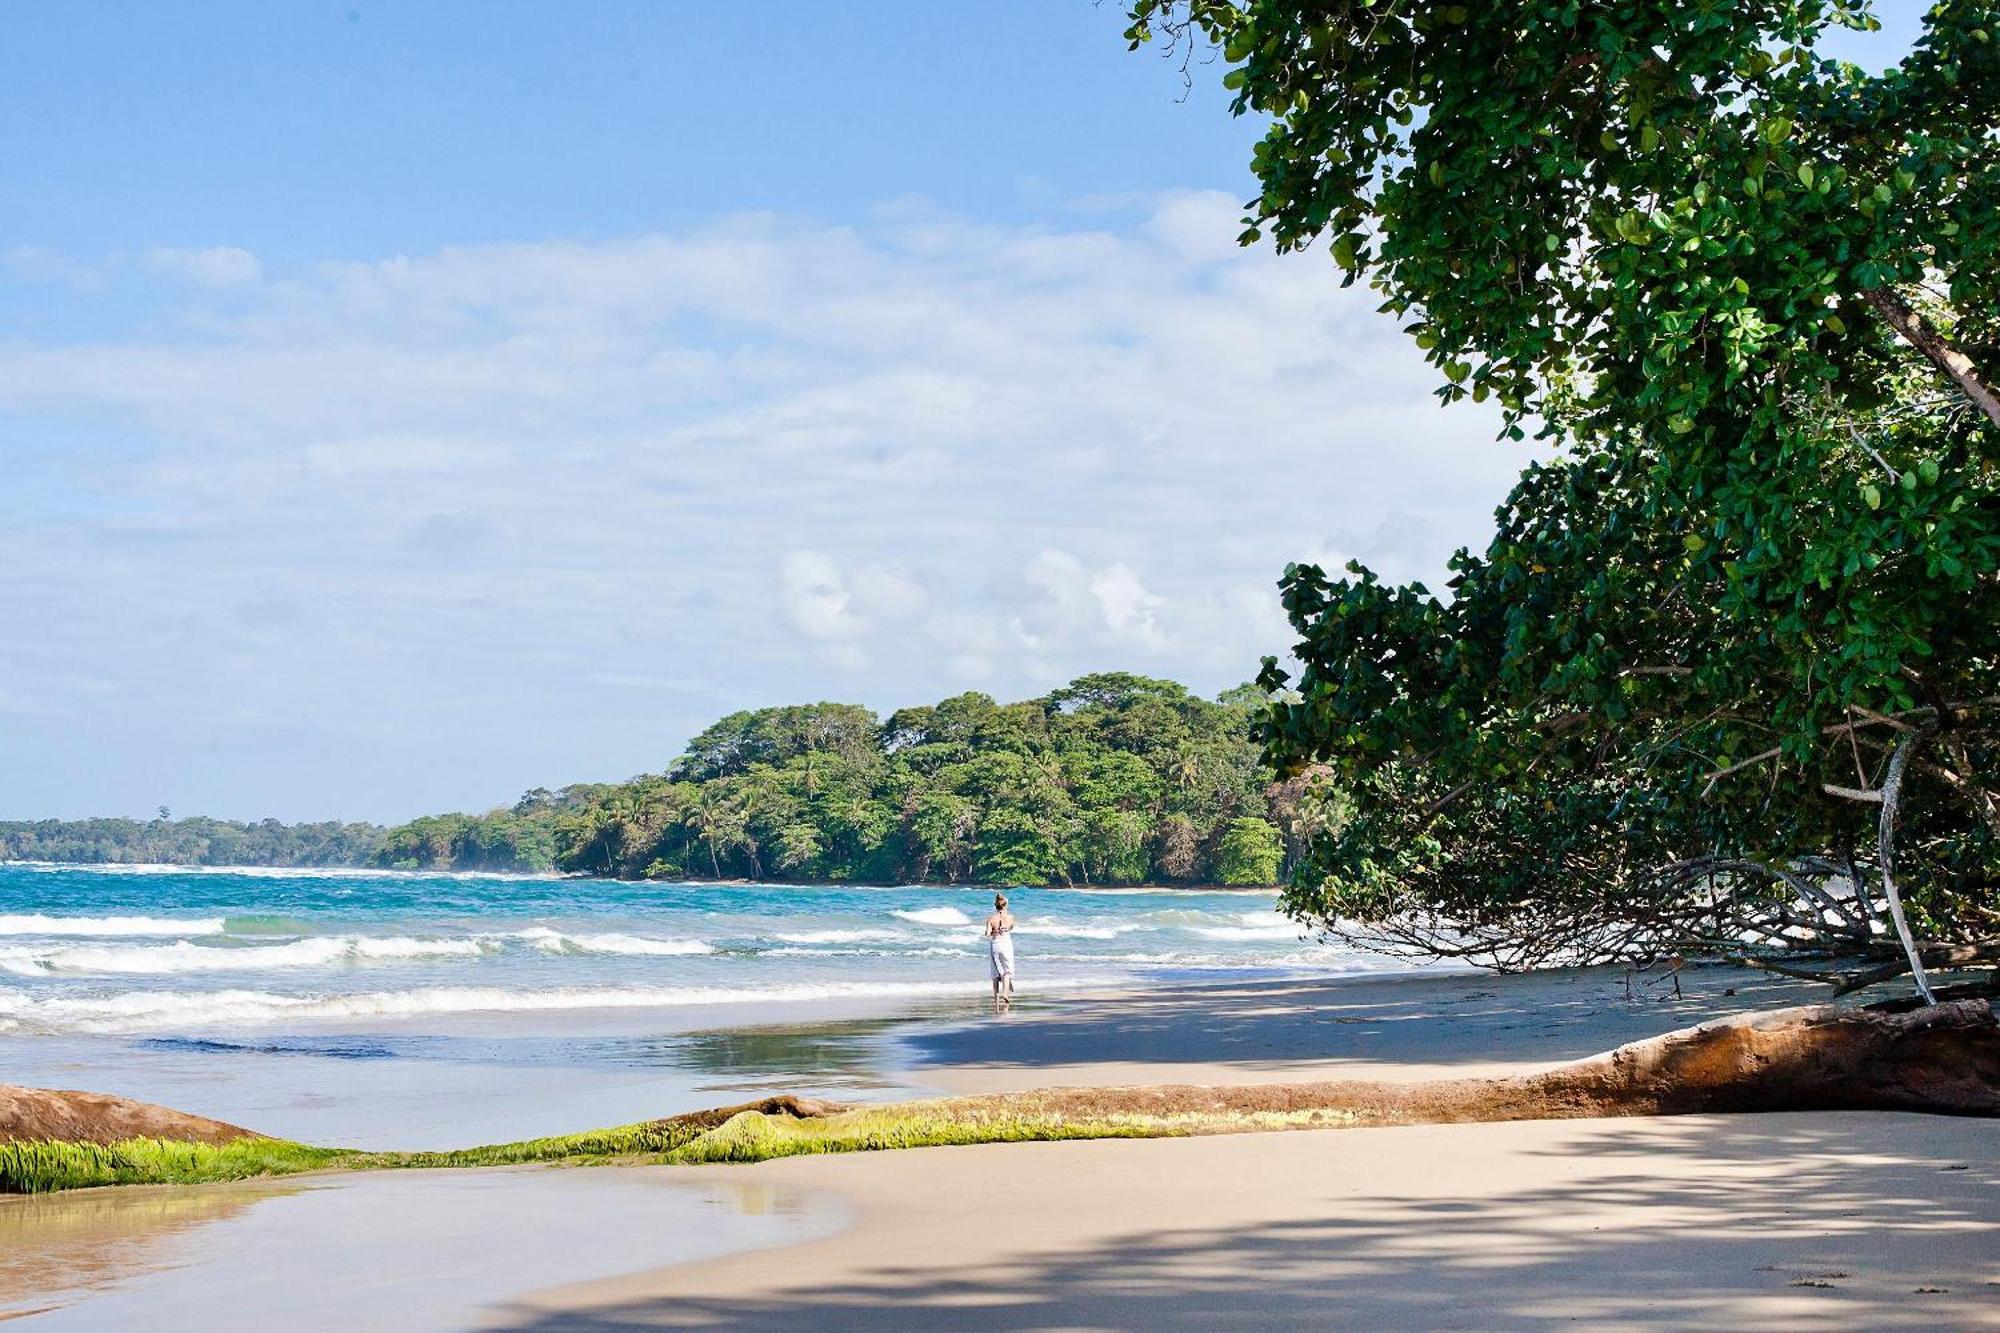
x,y
56,1246
380,1250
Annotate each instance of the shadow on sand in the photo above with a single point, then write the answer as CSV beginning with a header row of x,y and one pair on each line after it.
x,y
1662,1223
1416,1019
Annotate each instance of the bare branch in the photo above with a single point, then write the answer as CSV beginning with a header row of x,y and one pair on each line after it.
x,y
1892,793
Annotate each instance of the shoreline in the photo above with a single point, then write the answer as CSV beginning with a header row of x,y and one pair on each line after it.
x,y
1401,1026
379,1083
1251,1229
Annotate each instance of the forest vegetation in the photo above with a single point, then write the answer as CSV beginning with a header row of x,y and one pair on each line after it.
x,y
196,841
1112,779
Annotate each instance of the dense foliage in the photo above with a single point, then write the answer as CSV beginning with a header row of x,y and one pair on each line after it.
x,y
197,841
1113,779
1727,675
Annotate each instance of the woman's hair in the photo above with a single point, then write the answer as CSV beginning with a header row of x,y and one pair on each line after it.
x,y
1000,900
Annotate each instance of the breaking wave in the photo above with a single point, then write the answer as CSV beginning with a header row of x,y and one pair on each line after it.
x,y
934,916
555,941
140,1011
37,924
187,956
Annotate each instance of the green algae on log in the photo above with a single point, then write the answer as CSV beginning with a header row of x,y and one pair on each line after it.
x,y
1944,1060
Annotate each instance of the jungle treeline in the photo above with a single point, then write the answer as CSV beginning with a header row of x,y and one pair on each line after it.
x,y
1112,779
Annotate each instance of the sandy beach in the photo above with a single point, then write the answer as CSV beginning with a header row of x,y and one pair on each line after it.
x,y
1788,1221
1797,1220
1847,1220
1401,1027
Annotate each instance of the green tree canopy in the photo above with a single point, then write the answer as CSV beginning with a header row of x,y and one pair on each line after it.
x,y
1741,632
1112,779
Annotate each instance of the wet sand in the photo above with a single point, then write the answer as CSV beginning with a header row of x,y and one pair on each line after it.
x,y
1864,1221
418,1250
1801,1220
1404,1027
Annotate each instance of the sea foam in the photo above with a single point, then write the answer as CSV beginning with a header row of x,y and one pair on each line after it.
x,y
140,1011
934,916
612,942
839,936
37,924
186,956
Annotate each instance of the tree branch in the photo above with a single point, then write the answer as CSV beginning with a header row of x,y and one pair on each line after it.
x,y
1910,326
1892,794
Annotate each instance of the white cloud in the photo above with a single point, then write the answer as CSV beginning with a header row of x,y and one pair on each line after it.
x,y
1129,609
1062,577
836,609
815,597
216,266
39,264
1111,604
450,487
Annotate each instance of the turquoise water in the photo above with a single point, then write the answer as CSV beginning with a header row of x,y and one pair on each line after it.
x,y
158,950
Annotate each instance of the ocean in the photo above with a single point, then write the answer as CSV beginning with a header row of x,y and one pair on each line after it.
x,y
421,1010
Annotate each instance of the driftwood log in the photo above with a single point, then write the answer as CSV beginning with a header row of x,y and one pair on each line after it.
x,y
1943,1059
44,1114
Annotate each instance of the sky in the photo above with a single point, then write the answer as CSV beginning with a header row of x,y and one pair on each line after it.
x,y
402,406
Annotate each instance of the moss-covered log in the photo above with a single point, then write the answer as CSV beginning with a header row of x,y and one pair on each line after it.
x,y
1944,1060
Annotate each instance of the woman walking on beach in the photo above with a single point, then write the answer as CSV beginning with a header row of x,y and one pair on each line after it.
x,y
1000,950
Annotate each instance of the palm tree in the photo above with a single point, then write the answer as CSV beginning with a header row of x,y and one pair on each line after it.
x,y
719,819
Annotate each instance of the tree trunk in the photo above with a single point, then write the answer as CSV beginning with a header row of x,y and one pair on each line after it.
x,y
1910,326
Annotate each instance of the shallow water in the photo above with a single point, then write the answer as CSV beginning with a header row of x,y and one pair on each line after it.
x,y
160,949
404,1250
386,1009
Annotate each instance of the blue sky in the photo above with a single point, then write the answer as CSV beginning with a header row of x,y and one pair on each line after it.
x,y
402,406
307,131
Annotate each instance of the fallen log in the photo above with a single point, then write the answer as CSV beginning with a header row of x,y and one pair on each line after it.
x,y
54,1115
786,1105
1943,1059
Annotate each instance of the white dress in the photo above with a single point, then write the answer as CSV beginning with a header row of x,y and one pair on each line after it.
x,y
1000,955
